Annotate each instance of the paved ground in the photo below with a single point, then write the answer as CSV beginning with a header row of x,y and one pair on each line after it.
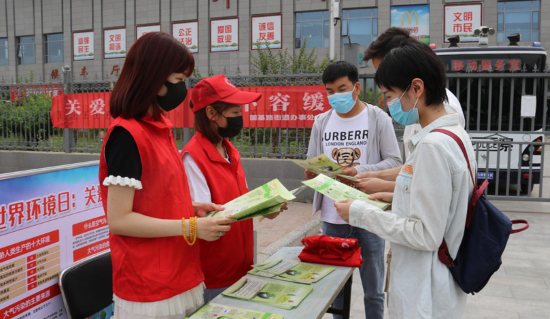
x,y
269,231
519,290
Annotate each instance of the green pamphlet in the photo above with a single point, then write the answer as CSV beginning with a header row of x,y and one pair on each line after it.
x,y
212,310
274,294
263,200
290,270
321,164
340,191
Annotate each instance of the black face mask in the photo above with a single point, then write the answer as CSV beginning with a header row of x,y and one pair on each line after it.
x,y
174,96
234,127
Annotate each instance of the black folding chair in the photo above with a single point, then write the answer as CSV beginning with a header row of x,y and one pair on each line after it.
x,y
87,287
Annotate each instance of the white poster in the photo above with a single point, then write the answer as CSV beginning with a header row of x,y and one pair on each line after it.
x,y
144,29
224,35
114,43
188,34
267,32
463,19
48,222
83,46
528,106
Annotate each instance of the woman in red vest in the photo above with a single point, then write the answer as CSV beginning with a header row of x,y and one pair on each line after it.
x,y
152,223
215,174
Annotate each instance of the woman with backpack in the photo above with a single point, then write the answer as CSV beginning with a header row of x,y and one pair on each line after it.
x,y
430,200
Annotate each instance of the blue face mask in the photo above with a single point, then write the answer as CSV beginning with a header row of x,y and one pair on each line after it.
x,y
400,116
342,102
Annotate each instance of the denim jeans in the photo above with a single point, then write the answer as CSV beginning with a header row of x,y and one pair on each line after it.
x,y
371,272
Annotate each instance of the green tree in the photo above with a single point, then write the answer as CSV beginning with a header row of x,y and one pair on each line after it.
x,y
282,62
29,119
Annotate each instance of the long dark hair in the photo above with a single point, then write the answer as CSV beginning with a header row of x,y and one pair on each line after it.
x,y
150,61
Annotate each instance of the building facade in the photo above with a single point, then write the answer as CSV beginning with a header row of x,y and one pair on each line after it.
x,y
38,38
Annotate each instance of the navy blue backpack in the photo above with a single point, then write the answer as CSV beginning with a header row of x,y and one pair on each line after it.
x,y
485,237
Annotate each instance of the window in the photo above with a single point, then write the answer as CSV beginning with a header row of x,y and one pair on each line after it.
x,y
521,17
54,47
312,29
3,51
26,53
361,25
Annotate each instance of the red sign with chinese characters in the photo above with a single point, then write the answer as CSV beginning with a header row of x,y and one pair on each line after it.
x,y
29,245
486,65
280,106
31,301
20,91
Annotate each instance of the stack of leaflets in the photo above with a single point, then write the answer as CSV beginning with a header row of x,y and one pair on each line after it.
x,y
321,164
336,191
264,200
290,270
212,310
274,294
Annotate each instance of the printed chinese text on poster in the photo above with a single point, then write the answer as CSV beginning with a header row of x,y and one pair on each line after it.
x,y
224,35
83,46
415,19
266,32
114,43
188,34
462,20
48,222
144,29
280,106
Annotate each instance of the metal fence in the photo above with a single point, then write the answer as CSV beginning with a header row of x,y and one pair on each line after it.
x,y
25,123
510,145
510,148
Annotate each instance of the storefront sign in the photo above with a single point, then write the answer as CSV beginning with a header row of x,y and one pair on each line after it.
x,y
188,34
144,29
267,32
114,43
224,35
83,46
462,20
415,19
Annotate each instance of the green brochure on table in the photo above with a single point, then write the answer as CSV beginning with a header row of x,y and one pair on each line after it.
x,y
270,293
321,164
340,191
263,200
212,310
290,270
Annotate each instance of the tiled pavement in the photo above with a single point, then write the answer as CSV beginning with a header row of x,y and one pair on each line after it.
x,y
269,231
519,290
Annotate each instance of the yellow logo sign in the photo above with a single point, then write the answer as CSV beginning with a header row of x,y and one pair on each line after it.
x,y
409,15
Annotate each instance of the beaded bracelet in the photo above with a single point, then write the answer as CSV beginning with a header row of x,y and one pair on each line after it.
x,y
193,225
192,238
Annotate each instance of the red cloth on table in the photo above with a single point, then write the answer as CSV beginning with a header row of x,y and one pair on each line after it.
x,y
332,251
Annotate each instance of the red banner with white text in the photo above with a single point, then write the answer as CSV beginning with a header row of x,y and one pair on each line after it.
x,y
280,106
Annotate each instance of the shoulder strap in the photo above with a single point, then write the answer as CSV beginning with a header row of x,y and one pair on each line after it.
x,y
443,251
462,148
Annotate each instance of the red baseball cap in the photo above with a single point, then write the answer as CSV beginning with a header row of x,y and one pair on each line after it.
x,y
219,89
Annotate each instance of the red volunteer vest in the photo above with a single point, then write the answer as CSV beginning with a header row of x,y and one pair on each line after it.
x,y
226,260
153,269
